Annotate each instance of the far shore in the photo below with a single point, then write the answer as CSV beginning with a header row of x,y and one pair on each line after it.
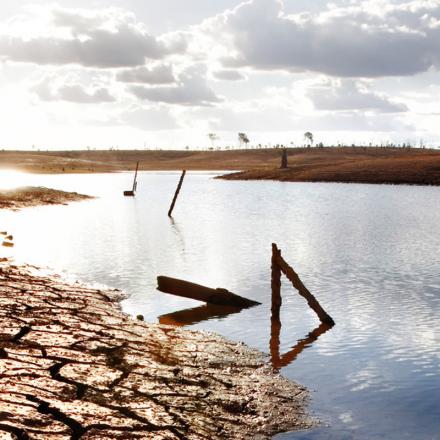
x,y
330,164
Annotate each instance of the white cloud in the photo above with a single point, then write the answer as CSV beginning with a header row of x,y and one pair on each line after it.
x,y
192,88
365,39
348,94
48,90
91,38
156,74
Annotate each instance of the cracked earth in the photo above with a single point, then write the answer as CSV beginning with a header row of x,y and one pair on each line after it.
x,y
73,366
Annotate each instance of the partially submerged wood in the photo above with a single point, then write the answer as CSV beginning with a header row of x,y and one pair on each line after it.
x,y
205,294
298,284
131,192
179,186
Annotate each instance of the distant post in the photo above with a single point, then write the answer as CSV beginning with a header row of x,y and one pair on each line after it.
x,y
284,159
179,186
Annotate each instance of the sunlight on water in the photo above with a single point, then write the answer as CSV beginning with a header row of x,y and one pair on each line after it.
x,y
369,254
10,179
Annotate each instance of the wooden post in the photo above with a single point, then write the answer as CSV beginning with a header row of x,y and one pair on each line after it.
x,y
276,284
177,193
284,159
135,177
303,291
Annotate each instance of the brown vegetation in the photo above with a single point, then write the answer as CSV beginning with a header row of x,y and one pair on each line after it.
x,y
348,164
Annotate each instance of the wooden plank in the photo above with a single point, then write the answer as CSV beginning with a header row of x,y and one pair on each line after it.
x,y
205,294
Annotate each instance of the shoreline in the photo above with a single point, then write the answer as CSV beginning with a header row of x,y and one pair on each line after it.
x,y
329,164
74,365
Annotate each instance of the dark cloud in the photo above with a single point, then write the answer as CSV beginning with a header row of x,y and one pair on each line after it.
x,y
360,40
347,94
228,75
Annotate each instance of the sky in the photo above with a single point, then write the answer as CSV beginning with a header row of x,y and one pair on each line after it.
x,y
148,74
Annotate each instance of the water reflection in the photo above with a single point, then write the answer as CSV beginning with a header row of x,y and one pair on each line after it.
x,y
279,361
197,315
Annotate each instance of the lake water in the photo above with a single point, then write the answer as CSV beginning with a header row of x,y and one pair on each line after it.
x,y
370,254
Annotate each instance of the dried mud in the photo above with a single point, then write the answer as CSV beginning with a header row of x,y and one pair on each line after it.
x,y
19,198
73,366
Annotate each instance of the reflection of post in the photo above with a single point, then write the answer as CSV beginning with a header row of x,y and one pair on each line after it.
x,y
279,361
303,291
276,283
274,343
177,193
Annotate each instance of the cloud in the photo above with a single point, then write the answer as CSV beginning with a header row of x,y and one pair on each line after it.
x,y
370,38
158,74
106,38
228,75
191,89
75,93
347,94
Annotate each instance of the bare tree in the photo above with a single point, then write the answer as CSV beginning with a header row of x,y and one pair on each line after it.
x,y
308,136
213,137
243,139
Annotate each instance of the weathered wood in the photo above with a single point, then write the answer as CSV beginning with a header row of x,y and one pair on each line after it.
x,y
131,192
179,186
303,291
284,159
276,284
205,294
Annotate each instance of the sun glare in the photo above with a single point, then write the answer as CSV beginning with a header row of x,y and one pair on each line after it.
x,y
10,179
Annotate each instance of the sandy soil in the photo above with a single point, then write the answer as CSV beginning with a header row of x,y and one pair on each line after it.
x,y
358,164
33,196
72,366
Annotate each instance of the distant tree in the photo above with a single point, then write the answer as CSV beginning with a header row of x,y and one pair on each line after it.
x,y
213,137
243,139
308,136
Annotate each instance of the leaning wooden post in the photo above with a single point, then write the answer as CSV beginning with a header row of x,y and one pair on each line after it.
x,y
276,284
303,291
177,193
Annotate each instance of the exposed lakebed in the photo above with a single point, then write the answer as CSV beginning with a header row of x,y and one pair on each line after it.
x,y
368,253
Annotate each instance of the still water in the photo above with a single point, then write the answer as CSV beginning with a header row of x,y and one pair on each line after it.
x,y
370,254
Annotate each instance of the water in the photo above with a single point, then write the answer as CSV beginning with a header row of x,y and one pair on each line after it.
x,y
370,254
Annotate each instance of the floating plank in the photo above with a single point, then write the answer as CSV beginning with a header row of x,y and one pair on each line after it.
x,y
205,294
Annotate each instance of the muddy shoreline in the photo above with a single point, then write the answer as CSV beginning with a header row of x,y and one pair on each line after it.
x,y
16,199
73,365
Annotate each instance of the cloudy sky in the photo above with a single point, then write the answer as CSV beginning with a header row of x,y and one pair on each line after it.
x,y
136,73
